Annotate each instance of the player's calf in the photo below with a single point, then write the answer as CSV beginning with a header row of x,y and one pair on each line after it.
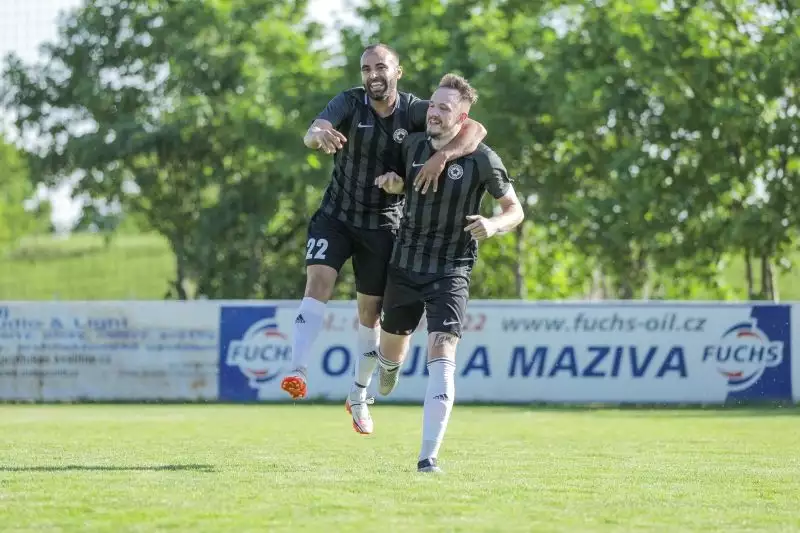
x,y
439,396
368,335
393,351
307,326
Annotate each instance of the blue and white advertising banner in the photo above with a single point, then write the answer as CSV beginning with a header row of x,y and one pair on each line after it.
x,y
511,351
528,352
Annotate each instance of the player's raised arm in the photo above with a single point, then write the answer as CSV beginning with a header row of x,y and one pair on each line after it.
x,y
323,135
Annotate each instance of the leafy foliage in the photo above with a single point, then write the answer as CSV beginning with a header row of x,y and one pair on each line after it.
x,y
653,142
15,190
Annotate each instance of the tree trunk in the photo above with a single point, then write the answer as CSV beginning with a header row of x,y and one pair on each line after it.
x,y
643,275
766,279
748,272
178,290
519,269
180,278
626,282
599,290
769,279
774,283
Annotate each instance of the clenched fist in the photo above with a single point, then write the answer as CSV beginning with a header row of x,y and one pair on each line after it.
x,y
390,182
480,227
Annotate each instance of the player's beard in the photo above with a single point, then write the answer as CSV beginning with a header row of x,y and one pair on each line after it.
x,y
382,93
435,131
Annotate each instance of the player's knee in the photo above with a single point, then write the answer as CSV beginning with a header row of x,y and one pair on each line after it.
x,y
442,344
394,347
369,310
320,281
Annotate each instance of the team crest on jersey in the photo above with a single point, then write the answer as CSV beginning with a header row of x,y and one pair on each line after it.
x,y
399,135
455,172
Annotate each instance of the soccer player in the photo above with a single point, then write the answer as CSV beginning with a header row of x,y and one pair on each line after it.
x,y
435,251
364,127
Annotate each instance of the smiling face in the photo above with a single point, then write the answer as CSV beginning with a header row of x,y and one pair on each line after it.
x,y
447,112
379,73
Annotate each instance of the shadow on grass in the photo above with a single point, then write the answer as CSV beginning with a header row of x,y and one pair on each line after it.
x,y
108,468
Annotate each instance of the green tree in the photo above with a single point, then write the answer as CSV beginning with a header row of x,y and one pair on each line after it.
x,y
642,130
480,40
16,188
188,113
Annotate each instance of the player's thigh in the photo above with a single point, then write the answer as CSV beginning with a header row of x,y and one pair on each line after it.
x,y
403,306
445,308
371,253
369,309
327,248
329,242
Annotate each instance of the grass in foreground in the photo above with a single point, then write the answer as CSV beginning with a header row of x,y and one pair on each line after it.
x,y
282,468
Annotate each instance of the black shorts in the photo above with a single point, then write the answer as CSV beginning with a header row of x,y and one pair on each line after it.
x,y
331,242
442,297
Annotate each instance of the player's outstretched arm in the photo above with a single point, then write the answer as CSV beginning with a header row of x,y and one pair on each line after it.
x,y
323,136
391,183
511,216
471,135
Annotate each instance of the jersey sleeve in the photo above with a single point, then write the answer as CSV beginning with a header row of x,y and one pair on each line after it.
x,y
418,114
495,176
337,110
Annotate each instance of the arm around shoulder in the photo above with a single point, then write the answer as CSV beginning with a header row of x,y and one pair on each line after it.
x,y
467,141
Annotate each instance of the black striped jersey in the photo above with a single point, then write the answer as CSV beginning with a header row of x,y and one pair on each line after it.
x,y
372,148
432,239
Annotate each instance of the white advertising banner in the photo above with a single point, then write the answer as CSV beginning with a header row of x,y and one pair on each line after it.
x,y
636,352
53,351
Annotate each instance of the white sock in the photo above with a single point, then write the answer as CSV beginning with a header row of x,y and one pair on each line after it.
x,y
367,358
439,398
385,363
306,328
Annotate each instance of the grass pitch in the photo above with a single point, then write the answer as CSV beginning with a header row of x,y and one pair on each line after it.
x,y
275,468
